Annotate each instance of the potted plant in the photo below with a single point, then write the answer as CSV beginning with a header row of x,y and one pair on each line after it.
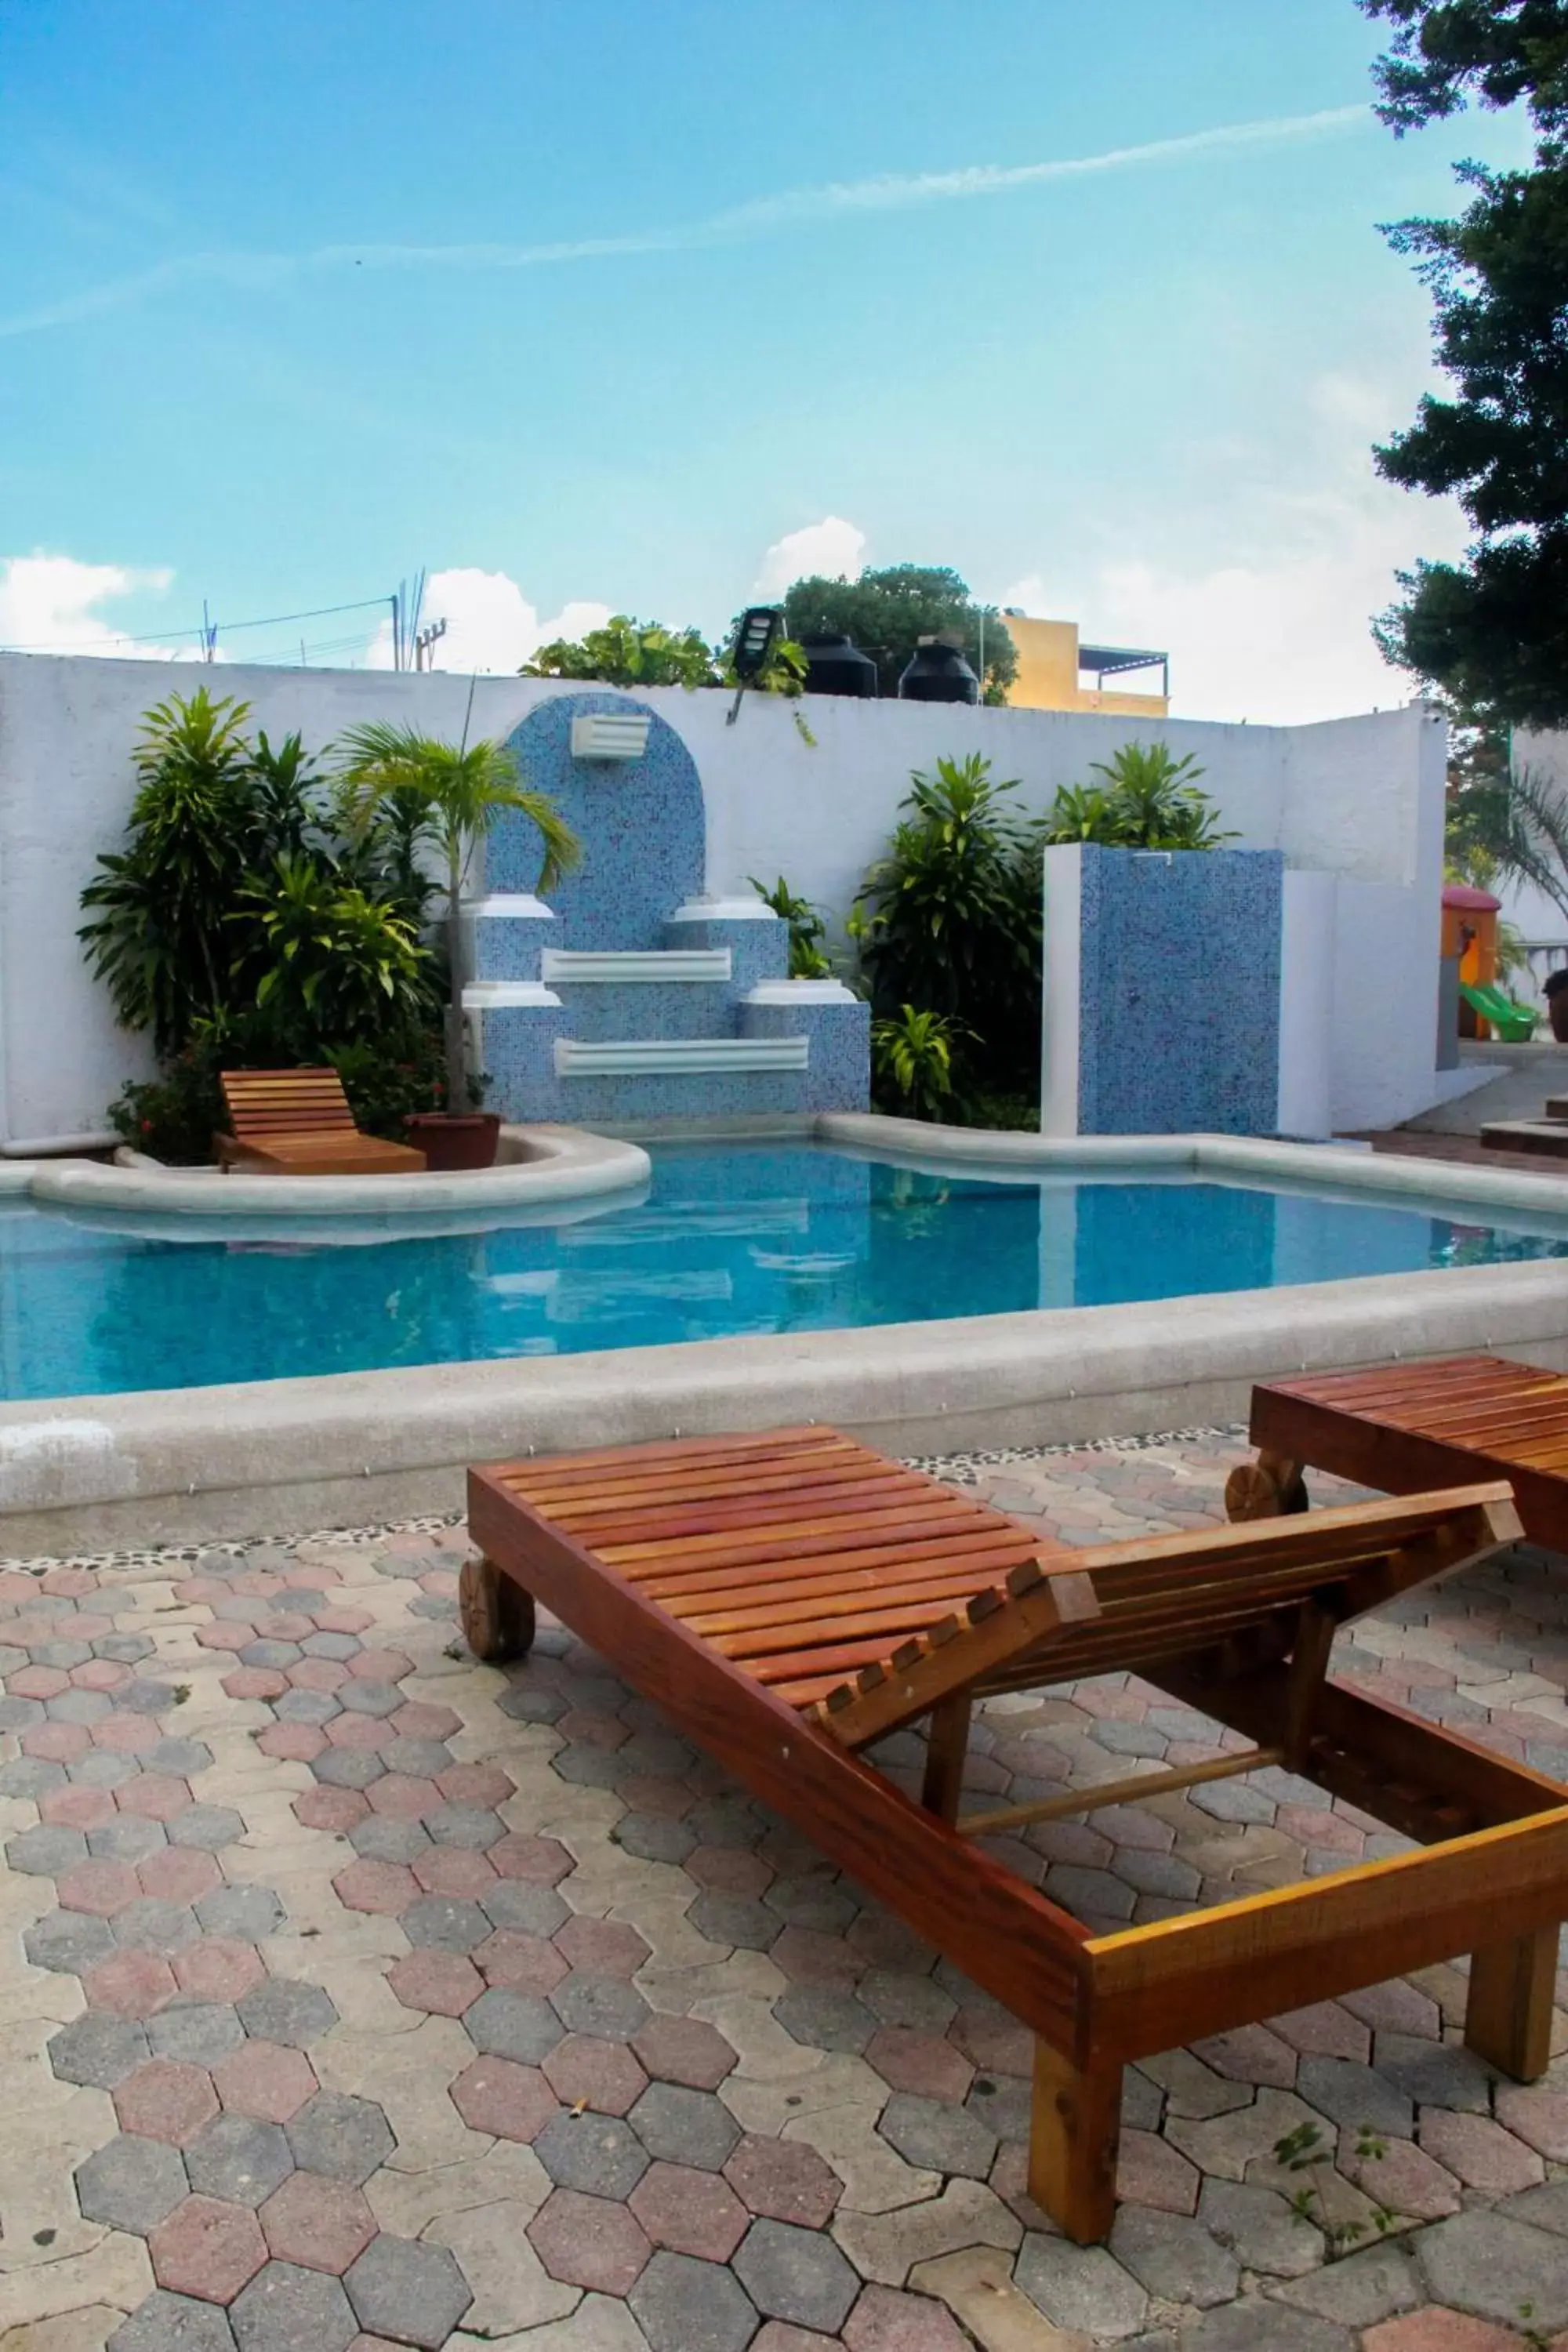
x,y
447,796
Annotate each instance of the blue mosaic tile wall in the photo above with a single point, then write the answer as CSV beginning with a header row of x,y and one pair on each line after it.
x,y
839,1072
1179,991
641,822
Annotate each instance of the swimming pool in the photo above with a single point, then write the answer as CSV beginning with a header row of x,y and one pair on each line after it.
x,y
727,1241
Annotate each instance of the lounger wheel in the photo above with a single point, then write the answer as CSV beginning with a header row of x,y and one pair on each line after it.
x,y
497,1614
1268,1488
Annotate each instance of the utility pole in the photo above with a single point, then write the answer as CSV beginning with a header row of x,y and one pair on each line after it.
x,y
427,638
210,635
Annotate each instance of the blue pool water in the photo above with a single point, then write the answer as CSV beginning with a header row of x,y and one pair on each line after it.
x,y
750,1240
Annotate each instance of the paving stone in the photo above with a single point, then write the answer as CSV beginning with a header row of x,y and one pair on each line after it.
x,y
684,2050
886,2321
654,1839
1537,2116
1084,2287
128,1838
825,2017
523,1907
377,1839
685,2126
1361,2289
69,1941
599,2155
165,2100
1356,2096
217,1969
495,2095
152,1924
689,2212
340,2136
936,2138
600,2075
174,2323
98,2049
600,2005
442,1983
201,2032
683,2305
1176,2259
264,2080
132,2184
1259,2227
735,1919
795,2274
283,2010
239,2159
412,2294
1436,2073
323,2225
289,2309
516,2025
445,1923
206,2248
785,2180
347,1768
1543,2209
1193,2089
589,2242
1490,2264
46,1852
249,1914
1255,2326
1439,2331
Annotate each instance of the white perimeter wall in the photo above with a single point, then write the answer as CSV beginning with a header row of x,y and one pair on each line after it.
x,y
1361,798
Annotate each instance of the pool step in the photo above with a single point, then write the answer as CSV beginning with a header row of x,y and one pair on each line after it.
x,y
625,1057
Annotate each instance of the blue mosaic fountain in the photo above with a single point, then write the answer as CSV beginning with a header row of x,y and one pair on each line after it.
x,y
634,995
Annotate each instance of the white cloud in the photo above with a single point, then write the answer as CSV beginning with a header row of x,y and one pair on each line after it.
x,y
49,604
491,625
1273,622
830,547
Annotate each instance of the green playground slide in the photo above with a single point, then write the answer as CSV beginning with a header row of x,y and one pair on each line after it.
x,y
1513,1024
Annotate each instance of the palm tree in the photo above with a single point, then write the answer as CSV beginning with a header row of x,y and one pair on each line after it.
x,y
447,796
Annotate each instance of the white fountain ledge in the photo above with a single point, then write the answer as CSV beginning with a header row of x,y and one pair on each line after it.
x,y
535,1165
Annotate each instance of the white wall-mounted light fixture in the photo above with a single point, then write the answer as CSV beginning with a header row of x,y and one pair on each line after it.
x,y
610,735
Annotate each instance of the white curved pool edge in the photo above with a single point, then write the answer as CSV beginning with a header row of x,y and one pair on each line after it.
x,y
540,1165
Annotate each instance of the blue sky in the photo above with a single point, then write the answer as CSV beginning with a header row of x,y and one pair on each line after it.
x,y
589,302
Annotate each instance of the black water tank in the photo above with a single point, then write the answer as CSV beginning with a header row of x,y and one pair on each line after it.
x,y
835,665
938,672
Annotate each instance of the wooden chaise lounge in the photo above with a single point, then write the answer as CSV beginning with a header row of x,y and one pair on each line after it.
x,y
789,1597
1405,1427
298,1123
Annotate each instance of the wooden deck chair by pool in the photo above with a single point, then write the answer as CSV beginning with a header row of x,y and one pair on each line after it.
x,y
790,1598
1404,1426
298,1123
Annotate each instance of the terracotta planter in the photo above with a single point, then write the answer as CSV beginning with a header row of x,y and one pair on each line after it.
x,y
454,1139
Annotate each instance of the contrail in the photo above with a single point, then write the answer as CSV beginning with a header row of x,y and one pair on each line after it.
x,y
889,191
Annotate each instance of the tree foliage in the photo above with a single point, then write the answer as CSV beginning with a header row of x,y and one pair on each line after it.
x,y
629,653
1491,632
886,612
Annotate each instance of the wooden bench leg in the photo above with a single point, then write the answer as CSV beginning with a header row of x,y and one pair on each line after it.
x,y
1508,2017
497,1614
1074,2131
947,1745
1269,1489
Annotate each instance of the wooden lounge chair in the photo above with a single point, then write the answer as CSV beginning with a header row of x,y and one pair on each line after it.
x,y
1407,1427
790,1597
298,1123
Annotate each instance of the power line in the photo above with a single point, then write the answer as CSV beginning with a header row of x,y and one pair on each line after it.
x,y
203,632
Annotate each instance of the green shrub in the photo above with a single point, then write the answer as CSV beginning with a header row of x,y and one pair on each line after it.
x,y
806,928
1148,799
911,1063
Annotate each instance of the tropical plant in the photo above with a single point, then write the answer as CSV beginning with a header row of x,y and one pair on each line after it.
x,y
1518,832
887,612
449,796
159,908
806,928
1488,632
336,963
951,918
911,1061
629,653
174,1115
1147,799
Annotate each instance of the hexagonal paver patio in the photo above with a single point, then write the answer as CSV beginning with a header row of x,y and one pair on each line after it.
x,y
368,1996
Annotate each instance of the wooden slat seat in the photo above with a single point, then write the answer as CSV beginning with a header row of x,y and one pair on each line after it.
x,y
789,1597
298,1123
1405,1427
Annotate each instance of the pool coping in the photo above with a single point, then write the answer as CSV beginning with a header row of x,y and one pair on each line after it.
x,y
535,1165
268,1457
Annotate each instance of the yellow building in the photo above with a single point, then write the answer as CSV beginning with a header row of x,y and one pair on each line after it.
x,y
1051,663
